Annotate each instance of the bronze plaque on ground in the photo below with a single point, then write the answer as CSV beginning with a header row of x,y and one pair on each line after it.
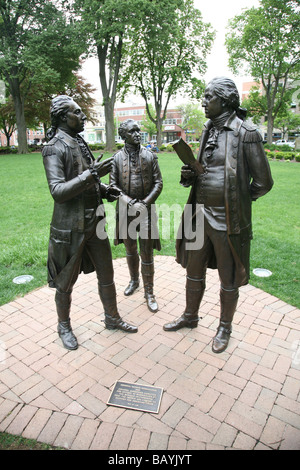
x,y
136,396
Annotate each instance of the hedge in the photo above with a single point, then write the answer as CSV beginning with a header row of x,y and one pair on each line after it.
x,y
6,150
284,155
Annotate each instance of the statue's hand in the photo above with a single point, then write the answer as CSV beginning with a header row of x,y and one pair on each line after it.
x,y
103,168
140,207
187,176
113,193
187,172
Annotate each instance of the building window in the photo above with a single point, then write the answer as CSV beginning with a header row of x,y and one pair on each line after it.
x,y
144,137
169,121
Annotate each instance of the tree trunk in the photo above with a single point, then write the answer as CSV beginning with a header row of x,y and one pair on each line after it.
x,y
20,116
159,119
159,137
6,131
109,125
7,136
21,126
109,76
270,128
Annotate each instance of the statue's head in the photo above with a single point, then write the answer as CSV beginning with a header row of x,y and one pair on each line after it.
x,y
221,95
67,115
130,132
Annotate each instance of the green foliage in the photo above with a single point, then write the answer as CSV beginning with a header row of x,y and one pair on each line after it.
x,y
6,150
264,43
275,245
148,125
195,147
119,146
256,104
288,122
193,118
11,442
283,155
265,39
106,25
37,46
24,224
7,117
94,147
164,54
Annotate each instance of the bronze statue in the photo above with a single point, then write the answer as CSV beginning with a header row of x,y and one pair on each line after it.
x,y
236,172
136,174
74,181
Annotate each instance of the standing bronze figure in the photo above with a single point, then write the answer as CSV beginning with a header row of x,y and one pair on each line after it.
x,y
136,174
236,172
74,181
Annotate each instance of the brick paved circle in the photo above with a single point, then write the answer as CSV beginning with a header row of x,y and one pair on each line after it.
x,y
246,398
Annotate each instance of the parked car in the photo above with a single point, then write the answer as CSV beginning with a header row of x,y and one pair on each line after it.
x,y
285,142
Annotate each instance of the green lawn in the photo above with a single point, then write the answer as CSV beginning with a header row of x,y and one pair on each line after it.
x,y
26,208
11,442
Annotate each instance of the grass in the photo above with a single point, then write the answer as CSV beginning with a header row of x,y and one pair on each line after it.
x,y
276,225
11,442
26,209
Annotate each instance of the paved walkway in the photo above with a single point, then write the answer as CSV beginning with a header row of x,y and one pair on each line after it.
x,y
246,398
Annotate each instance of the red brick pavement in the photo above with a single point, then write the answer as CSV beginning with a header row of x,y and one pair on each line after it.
x,y
246,398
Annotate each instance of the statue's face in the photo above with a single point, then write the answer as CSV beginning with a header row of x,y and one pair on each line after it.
x,y
132,133
74,119
211,103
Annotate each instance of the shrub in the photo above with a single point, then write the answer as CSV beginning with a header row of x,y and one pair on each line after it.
x,y
194,146
6,150
285,148
95,147
119,146
289,155
279,148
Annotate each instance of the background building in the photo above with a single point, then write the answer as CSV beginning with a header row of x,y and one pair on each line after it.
x,y
171,125
94,133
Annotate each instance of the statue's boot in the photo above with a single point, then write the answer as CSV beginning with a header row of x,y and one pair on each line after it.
x,y
133,266
148,280
228,302
64,329
112,319
194,293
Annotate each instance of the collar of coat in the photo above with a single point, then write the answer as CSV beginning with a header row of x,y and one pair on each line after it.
x,y
233,123
68,139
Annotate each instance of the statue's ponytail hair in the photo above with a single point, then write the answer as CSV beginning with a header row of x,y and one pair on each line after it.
x,y
226,89
59,106
51,133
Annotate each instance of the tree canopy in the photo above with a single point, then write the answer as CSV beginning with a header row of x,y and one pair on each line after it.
x,y
265,43
37,45
166,53
106,24
193,119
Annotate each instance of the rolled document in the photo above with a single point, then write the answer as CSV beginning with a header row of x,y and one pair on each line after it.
x,y
186,155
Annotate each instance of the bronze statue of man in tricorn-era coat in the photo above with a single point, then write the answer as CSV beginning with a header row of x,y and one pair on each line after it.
x,y
74,181
136,174
236,172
